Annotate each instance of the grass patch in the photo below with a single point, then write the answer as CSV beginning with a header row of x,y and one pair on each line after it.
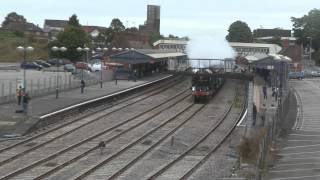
x,y
9,41
249,147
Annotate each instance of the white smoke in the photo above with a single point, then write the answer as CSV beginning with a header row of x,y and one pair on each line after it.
x,y
208,47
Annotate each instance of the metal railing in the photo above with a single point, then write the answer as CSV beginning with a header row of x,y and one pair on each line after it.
x,y
45,86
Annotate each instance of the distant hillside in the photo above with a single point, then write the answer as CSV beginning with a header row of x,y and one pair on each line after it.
x,y
10,41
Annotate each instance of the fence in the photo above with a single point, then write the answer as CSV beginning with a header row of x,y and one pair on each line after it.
x,y
37,87
276,124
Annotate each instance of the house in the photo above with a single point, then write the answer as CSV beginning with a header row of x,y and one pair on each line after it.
x,y
53,27
94,31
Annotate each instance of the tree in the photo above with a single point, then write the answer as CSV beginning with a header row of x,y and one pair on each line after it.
x,y
308,27
120,41
239,32
13,17
116,25
73,21
173,36
72,37
153,37
132,30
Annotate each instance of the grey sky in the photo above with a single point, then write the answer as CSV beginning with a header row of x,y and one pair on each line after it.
x,y
183,17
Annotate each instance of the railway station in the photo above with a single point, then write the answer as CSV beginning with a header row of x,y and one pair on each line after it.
x,y
186,99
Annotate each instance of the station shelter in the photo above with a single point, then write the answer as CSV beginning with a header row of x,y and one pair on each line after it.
x,y
274,69
145,62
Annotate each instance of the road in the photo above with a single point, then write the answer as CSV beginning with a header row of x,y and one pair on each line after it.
x,y
299,159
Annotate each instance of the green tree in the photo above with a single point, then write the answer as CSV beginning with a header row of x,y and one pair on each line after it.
x,y
72,37
108,35
13,17
132,30
73,21
173,36
153,37
116,25
306,28
239,32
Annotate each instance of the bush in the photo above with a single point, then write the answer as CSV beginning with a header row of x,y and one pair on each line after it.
x,y
249,147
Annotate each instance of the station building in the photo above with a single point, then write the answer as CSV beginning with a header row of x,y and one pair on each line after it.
x,y
173,44
255,48
144,62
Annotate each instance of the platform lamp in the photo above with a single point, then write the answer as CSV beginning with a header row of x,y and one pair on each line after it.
x,y
24,50
99,50
56,49
86,49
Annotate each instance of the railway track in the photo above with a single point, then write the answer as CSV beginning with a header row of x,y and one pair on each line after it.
x,y
183,166
130,155
226,135
110,139
80,122
193,146
59,152
133,99
159,135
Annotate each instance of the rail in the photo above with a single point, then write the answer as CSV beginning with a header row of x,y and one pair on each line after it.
x,y
96,135
80,107
193,146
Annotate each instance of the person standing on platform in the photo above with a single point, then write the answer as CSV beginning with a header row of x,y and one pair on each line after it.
x,y
264,91
25,102
82,85
19,95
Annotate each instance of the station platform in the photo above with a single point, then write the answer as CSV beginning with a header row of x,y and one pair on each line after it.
x,y
262,104
14,124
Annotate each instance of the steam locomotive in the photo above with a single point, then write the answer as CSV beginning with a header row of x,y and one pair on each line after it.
x,y
204,86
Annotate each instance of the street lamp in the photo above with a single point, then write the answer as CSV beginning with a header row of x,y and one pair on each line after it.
x,y
101,49
24,50
86,49
55,49
310,47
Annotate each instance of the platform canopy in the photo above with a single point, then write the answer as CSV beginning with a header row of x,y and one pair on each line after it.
x,y
272,61
145,56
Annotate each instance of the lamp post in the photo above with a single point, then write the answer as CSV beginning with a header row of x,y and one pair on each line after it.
x,y
310,47
86,49
55,49
24,50
101,49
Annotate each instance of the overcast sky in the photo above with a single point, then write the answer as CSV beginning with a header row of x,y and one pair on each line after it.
x,y
178,17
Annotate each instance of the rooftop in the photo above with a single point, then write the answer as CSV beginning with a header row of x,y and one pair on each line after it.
x,y
55,23
170,41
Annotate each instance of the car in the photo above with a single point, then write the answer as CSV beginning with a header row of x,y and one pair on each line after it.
x,y
31,65
55,62
69,68
66,61
42,63
315,73
95,67
83,65
296,75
